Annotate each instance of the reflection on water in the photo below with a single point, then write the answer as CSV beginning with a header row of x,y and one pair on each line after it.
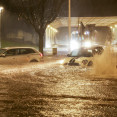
x,y
56,91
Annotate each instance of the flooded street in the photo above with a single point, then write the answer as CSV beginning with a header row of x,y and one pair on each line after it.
x,y
58,58
52,90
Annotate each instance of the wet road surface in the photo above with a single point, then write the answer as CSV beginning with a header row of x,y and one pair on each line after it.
x,y
52,90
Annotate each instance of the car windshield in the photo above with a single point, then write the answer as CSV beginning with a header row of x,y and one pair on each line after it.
x,y
2,51
81,53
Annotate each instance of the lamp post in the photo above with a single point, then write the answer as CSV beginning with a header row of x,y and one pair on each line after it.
x,y
69,21
1,8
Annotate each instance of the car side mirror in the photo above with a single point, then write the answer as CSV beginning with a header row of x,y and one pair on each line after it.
x,y
2,55
68,55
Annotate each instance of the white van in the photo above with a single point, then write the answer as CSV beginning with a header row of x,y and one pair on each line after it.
x,y
20,55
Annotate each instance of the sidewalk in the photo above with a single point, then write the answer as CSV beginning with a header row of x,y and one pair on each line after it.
x,y
60,52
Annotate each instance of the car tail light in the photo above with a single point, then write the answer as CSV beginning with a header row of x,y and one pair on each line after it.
x,y
41,54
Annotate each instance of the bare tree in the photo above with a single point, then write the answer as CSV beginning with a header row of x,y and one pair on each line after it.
x,y
39,13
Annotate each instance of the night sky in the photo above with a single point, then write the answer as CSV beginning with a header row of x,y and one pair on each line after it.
x,y
90,8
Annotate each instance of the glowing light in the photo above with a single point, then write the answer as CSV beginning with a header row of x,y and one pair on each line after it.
x,y
75,32
116,26
48,44
55,30
86,32
111,27
87,44
1,8
61,61
48,26
74,45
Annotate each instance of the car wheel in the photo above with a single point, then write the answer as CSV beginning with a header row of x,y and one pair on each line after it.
x,y
34,60
90,63
85,62
72,61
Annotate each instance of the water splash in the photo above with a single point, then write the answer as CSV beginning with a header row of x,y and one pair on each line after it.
x,y
106,64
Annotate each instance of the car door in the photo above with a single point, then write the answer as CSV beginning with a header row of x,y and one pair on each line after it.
x,y
22,56
10,57
26,55
33,55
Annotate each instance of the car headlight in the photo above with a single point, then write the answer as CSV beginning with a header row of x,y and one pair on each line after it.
x,y
87,44
61,61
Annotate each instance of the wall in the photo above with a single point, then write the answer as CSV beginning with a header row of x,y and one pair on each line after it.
x,y
16,29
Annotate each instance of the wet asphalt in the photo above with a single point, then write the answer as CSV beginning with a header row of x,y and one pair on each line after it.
x,y
52,90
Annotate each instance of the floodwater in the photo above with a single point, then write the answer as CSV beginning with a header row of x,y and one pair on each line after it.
x,y
52,90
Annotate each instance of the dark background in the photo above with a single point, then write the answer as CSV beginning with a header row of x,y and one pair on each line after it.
x,y
90,8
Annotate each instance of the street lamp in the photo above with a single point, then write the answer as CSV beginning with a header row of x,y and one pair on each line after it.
x,y
1,8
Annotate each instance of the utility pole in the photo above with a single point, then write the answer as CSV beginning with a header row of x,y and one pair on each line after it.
x,y
69,21
78,29
1,8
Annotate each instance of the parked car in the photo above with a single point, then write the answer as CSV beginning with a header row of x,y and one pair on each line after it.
x,y
20,55
82,56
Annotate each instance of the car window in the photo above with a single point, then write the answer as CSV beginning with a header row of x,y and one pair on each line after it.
x,y
86,54
81,53
2,51
26,51
74,53
11,52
